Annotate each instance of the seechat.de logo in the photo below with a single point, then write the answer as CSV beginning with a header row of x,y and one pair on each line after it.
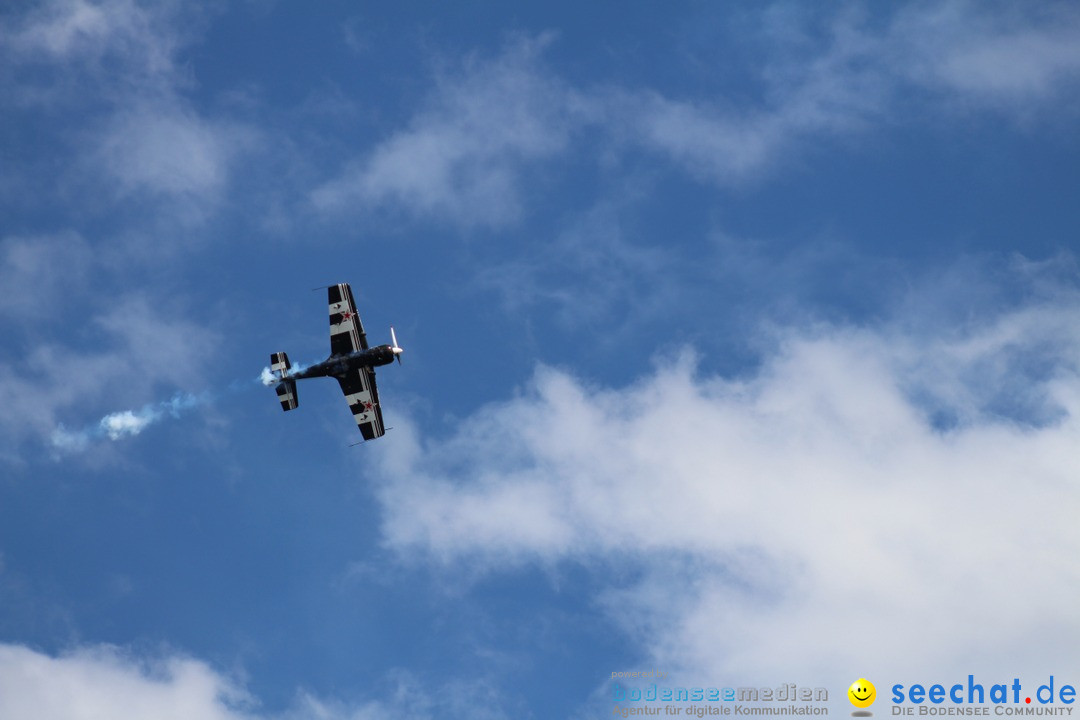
x,y
862,695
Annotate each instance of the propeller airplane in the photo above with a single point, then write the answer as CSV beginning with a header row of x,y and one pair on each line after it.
x,y
352,363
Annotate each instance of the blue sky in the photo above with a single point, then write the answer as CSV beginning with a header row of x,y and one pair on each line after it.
x,y
741,343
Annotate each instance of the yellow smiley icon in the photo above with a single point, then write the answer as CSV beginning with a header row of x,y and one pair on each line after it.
x,y
862,693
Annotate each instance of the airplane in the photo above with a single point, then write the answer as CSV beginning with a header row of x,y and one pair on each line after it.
x,y
352,363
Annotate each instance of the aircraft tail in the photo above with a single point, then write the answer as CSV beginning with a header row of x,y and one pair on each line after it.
x,y
286,393
286,389
279,363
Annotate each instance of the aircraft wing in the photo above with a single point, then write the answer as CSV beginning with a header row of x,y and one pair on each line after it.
x,y
363,398
346,330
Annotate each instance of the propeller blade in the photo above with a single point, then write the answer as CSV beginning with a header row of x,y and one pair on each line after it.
x,y
395,347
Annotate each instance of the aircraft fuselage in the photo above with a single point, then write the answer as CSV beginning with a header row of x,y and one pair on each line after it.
x,y
339,366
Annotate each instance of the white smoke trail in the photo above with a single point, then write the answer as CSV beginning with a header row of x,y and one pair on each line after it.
x,y
129,423
126,423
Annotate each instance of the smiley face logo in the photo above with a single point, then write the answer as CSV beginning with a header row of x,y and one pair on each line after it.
x,y
862,693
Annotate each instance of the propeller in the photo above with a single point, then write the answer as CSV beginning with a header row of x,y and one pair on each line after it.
x,y
395,347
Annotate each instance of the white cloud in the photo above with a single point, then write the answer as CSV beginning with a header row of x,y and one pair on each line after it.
x,y
64,28
466,154
95,682
592,271
118,45
38,273
1016,61
114,65
813,519
101,682
462,156
489,126
166,148
1011,56
705,140
408,699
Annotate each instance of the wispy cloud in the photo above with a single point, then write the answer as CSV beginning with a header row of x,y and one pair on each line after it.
x,y
166,148
115,43
488,126
124,685
33,268
850,72
115,66
133,353
590,267
1013,58
462,155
